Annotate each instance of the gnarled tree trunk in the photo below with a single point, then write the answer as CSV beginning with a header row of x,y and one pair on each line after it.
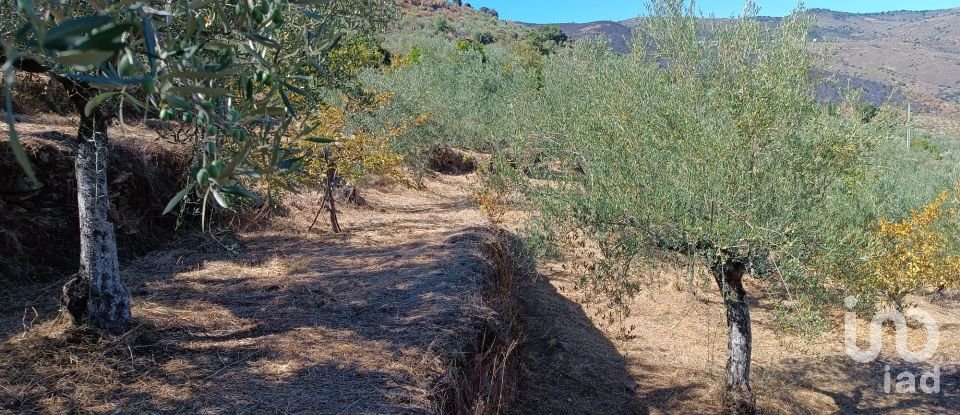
x,y
97,295
738,397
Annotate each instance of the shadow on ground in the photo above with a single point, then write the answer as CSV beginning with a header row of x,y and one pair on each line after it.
x,y
349,324
855,388
292,324
567,365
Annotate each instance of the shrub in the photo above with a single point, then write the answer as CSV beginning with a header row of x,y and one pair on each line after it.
x,y
920,251
489,11
355,54
547,38
464,87
484,38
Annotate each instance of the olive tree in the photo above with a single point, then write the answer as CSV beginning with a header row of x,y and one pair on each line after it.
x,y
227,70
710,143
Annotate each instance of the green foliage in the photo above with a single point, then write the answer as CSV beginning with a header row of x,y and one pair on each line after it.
x,y
867,112
920,251
414,56
353,55
463,87
711,143
724,154
238,75
453,21
905,179
547,39
925,145
489,11
470,45
441,25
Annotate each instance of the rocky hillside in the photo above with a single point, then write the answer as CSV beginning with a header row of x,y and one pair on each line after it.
x,y
457,19
916,53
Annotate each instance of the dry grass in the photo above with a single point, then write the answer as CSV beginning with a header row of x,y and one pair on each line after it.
x,y
407,312
398,315
673,360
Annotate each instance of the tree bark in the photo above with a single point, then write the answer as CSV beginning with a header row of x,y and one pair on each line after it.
x,y
738,397
334,223
96,296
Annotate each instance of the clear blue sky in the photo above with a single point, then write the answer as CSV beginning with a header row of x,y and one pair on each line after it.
x,y
565,11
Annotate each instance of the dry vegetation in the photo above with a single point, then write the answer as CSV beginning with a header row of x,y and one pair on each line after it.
x,y
672,360
916,52
405,313
422,306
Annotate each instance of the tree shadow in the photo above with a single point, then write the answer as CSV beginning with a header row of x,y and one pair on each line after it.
x,y
856,388
381,308
567,364
282,324
340,324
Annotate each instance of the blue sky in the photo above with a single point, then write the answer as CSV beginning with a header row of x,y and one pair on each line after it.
x,y
565,11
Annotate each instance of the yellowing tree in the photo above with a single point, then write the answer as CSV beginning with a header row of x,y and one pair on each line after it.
x,y
359,153
918,251
345,156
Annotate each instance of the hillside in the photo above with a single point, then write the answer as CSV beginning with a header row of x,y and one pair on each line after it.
x,y
462,21
619,33
917,53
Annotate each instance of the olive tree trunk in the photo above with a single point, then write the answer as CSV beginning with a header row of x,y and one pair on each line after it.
x,y
738,397
96,296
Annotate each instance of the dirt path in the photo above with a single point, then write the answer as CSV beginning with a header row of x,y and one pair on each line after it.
x,y
371,321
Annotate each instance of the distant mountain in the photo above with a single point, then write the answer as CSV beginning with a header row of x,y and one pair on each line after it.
x,y
913,53
917,51
904,55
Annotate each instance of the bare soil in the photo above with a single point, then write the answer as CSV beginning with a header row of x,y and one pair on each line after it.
x,y
671,360
398,315
39,232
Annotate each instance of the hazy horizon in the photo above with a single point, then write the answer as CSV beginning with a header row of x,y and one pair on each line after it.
x,y
584,11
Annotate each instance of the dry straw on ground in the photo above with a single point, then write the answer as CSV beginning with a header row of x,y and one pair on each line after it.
x,y
404,313
673,361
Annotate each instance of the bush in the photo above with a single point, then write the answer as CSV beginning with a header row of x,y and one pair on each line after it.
x,y
489,11
920,251
547,39
464,87
484,38
353,55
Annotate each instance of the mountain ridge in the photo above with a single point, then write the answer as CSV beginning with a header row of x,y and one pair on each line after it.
x,y
916,52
